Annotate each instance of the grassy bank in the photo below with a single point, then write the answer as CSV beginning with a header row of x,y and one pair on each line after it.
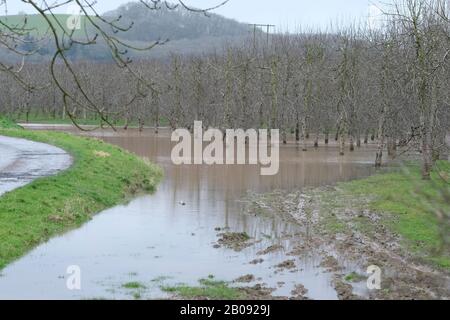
x,y
416,210
102,176
7,124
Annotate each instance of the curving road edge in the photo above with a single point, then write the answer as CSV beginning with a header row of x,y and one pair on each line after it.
x,y
22,161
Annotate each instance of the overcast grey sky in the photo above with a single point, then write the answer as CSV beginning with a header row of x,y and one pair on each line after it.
x,y
283,13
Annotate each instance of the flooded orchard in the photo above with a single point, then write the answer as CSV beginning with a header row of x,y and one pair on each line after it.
x,y
177,234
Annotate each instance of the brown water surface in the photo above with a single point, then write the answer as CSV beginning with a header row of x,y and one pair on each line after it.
x,y
155,240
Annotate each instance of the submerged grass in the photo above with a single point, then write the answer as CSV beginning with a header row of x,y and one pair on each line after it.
x,y
133,285
354,277
208,289
101,177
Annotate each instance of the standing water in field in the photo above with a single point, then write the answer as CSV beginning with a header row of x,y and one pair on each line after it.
x,y
172,236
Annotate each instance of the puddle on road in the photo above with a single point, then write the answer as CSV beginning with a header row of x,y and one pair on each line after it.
x,y
154,240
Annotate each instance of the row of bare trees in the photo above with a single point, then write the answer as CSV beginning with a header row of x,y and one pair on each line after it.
x,y
354,85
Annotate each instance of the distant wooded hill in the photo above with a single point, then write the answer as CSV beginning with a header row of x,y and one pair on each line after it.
x,y
188,32
174,24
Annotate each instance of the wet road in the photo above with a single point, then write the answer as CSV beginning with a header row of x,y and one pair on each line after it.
x,y
22,161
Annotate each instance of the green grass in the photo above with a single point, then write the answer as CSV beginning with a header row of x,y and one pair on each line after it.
x,y
354,277
133,285
208,289
38,26
334,225
101,177
8,124
417,210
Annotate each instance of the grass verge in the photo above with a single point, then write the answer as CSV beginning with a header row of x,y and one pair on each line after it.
x,y
5,123
101,177
416,210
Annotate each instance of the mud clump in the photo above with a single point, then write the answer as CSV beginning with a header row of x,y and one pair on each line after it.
x,y
305,248
270,249
257,261
330,264
258,292
234,240
344,290
245,279
219,229
288,264
299,292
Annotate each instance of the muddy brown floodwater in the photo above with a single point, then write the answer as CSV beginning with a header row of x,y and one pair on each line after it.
x,y
172,236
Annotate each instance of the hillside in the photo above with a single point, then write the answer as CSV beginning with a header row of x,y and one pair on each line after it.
x,y
174,24
187,32
38,26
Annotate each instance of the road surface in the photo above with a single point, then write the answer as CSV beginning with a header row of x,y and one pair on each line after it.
x,y
22,161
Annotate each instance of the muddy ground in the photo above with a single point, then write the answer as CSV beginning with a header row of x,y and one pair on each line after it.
x,y
331,231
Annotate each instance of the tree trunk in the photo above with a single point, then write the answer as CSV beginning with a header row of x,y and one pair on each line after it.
x,y
352,143
427,156
64,112
379,158
327,138
427,122
304,136
379,155
366,137
338,130
316,141
392,147
157,124
443,155
443,147
342,144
